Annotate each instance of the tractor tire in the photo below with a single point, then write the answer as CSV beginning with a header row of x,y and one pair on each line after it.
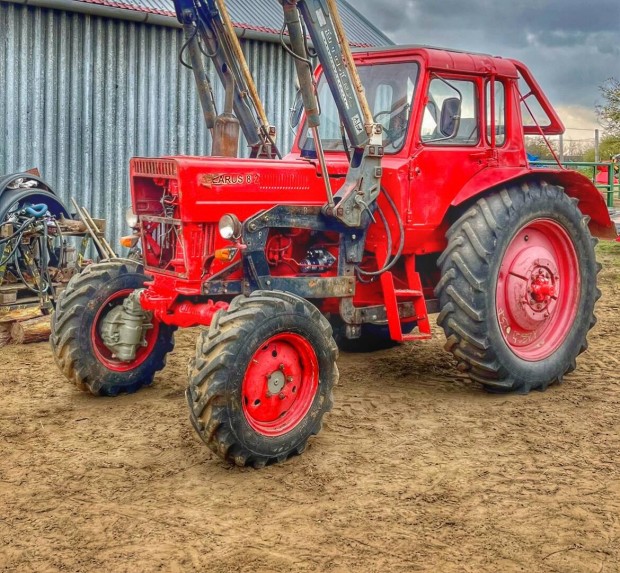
x,y
518,288
262,378
78,349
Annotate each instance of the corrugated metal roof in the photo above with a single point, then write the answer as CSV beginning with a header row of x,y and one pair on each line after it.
x,y
262,16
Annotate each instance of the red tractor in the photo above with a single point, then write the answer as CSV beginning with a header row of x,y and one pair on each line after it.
x,y
407,197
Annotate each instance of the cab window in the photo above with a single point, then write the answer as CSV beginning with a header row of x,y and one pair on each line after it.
x,y
451,113
389,90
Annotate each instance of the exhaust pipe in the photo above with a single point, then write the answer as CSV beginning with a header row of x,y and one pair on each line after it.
x,y
226,130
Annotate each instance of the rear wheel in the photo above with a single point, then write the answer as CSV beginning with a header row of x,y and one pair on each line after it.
x,y
84,310
262,378
518,288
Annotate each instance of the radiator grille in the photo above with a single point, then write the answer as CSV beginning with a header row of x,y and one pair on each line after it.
x,y
155,167
170,248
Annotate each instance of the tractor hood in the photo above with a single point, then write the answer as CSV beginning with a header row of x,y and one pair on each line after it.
x,y
202,189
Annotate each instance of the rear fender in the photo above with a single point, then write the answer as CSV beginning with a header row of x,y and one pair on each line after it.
x,y
591,201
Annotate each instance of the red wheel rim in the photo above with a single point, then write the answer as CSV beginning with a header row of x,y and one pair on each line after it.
x,y
538,290
103,353
280,384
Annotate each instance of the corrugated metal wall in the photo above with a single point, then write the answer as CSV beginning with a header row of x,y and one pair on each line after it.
x,y
80,95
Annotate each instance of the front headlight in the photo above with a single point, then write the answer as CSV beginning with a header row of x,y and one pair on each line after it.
x,y
229,227
131,218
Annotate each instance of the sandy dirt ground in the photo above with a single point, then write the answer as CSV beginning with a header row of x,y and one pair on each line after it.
x,y
416,470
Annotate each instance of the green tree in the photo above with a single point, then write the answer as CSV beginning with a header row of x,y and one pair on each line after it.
x,y
609,112
608,147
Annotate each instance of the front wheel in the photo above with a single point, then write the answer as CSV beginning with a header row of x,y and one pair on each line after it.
x,y
518,288
262,378
84,311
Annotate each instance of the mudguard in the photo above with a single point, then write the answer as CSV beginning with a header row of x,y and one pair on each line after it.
x,y
591,201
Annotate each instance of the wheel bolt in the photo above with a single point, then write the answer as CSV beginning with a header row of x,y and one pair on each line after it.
x,y
281,396
281,366
289,378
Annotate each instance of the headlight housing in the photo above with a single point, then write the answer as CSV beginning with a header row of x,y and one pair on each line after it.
x,y
229,227
131,218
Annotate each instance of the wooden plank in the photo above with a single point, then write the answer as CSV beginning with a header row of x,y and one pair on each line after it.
x,y
21,303
72,225
20,314
8,296
12,286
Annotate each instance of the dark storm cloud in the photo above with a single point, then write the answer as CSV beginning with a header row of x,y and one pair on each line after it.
x,y
572,46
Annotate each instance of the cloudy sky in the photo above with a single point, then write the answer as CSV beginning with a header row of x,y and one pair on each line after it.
x,y
572,46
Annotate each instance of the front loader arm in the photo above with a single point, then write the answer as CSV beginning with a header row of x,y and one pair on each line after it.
x,y
209,20
353,204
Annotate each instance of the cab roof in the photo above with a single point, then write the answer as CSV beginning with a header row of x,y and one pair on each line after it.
x,y
442,59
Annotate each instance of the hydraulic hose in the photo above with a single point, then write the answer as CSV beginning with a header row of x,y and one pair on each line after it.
x,y
37,210
401,244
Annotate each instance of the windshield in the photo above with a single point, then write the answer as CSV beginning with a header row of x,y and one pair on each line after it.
x,y
389,89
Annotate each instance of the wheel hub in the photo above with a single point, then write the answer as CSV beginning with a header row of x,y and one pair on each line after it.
x,y
531,284
537,289
542,289
280,384
276,381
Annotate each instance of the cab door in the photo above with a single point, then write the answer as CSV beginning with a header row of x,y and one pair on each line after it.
x,y
449,147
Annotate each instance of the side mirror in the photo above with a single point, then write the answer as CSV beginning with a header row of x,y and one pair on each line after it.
x,y
296,110
450,117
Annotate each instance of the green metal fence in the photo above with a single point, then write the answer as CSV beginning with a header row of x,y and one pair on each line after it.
x,y
590,169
